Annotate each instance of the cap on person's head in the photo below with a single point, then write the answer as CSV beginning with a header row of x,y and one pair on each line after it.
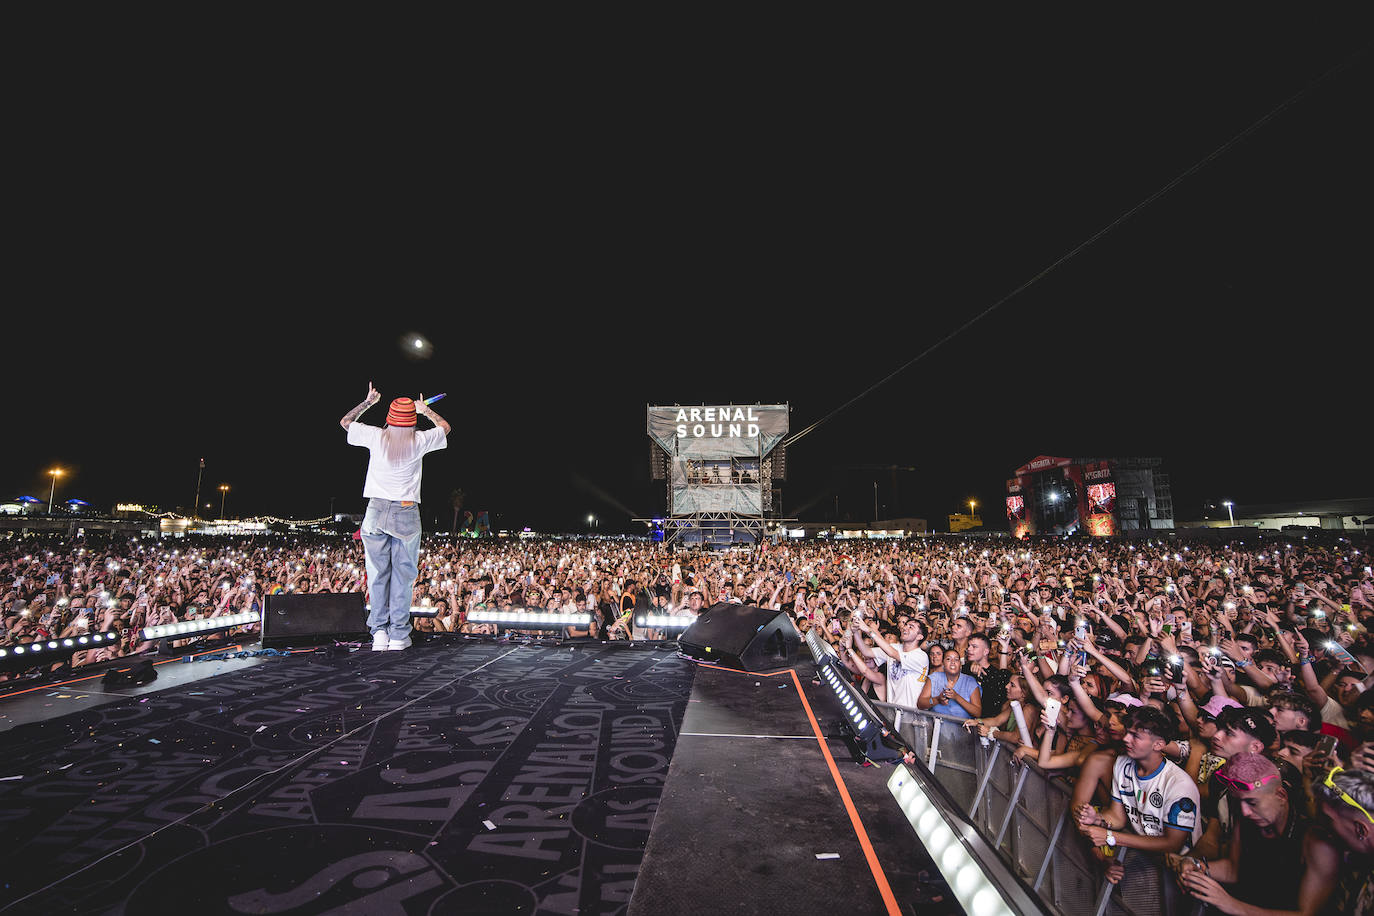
x,y
1216,704
1125,699
1253,722
401,413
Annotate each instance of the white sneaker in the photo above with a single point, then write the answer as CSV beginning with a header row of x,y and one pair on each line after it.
x,y
394,646
380,643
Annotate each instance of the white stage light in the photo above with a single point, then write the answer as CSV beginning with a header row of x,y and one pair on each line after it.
x,y
204,625
966,876
665,621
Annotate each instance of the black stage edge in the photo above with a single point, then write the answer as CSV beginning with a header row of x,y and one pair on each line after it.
x,y
751,803
454,777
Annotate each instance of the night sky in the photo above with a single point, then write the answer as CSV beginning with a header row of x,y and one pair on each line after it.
x,y
222,279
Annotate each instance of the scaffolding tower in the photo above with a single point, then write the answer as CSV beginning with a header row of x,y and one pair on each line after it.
x,y
722,466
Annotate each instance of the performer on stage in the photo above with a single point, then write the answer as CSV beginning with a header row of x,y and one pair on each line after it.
x,y
391,527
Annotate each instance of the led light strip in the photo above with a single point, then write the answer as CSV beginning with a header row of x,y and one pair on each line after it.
x,y
76,643
851,708
665,621
531,620
416,610
819,647
977,895
205,625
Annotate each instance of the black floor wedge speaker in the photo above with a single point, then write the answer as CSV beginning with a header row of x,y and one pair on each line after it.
x,y
742,636
311,619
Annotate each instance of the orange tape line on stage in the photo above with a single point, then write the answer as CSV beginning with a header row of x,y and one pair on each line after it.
x,y
92,677
741,670
879,876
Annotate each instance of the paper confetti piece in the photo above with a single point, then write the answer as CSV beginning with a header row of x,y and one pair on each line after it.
x,y
154,741
8,778
489,825
261,728
827,855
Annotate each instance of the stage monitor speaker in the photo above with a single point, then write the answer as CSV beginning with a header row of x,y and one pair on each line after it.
x,y
313,618
742,636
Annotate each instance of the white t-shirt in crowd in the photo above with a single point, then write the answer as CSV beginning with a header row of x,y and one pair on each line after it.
x,y
394,472
906,677
1334,714
1167,798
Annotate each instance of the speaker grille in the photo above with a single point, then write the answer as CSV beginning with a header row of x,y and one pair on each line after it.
x,y
306,618
778,462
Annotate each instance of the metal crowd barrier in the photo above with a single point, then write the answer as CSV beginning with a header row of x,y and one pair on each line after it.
x,y
1024,813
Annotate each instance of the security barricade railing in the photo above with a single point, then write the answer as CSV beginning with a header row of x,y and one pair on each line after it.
x,y
1024,813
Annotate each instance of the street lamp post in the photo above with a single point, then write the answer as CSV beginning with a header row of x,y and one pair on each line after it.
x,y
971,504
56,473
1229,514
223,492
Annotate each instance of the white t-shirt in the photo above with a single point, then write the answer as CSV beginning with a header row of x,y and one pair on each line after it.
x,y
906,677
1334,714
394,475
1167,798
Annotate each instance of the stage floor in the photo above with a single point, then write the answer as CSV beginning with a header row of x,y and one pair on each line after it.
x,y
456,777
766,811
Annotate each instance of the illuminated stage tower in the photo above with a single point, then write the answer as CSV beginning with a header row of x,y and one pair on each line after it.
x,y
720,463
1097,496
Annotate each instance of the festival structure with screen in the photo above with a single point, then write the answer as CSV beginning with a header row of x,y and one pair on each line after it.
x,y
1097,496
722,465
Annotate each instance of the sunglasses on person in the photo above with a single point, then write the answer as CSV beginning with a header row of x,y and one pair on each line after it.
x,y
1237,785
1335,790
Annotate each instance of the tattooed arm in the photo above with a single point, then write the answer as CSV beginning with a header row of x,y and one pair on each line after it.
x,y
372,398
423,410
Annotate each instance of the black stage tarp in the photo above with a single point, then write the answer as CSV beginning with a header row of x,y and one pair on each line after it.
x,y
467,777
755,820
455,777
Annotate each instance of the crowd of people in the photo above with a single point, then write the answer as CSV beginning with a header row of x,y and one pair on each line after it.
x,y
1208,703
1208,700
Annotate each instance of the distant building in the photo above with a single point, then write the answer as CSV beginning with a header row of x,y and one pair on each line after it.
x,y
21,505
1098,496
884,528
964,522
1353,514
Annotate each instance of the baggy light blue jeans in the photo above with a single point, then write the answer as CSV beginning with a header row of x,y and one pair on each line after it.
x,y
391,543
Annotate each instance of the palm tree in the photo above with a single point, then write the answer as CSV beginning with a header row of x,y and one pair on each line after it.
x,y
456,498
